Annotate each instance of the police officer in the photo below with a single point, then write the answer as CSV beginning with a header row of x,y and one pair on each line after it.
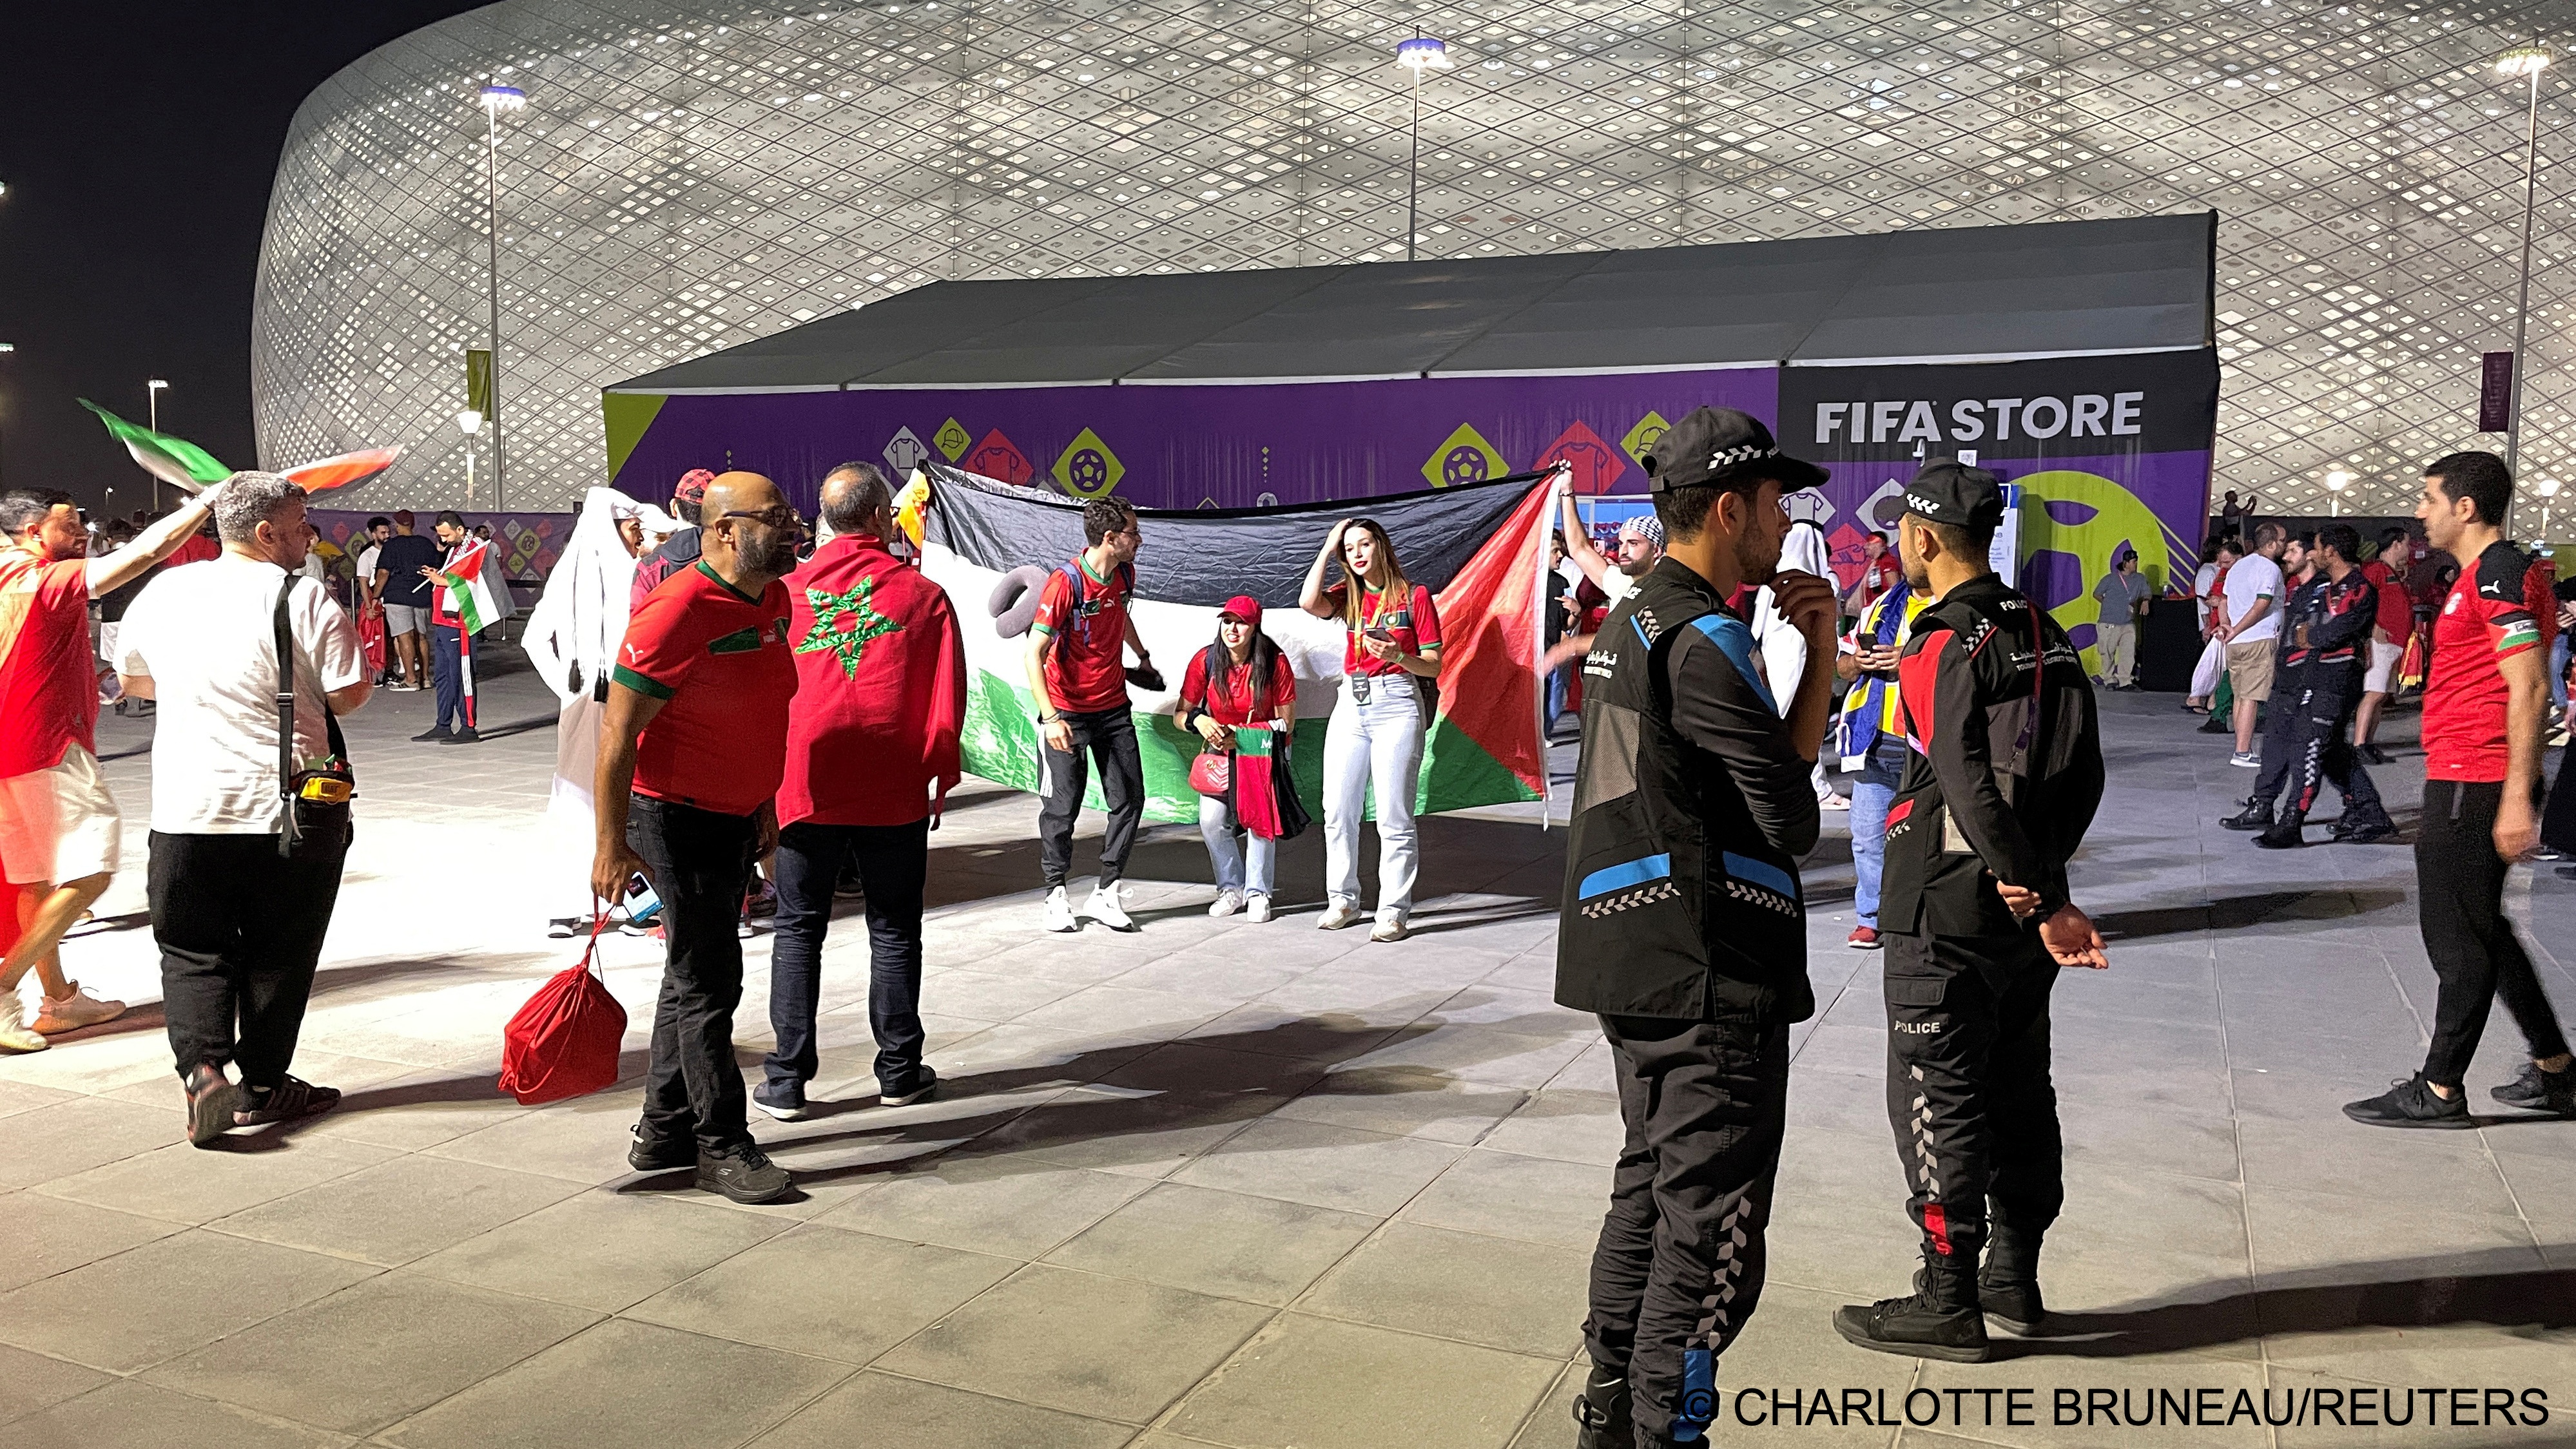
x,y
2003,774
2325,637
1683,924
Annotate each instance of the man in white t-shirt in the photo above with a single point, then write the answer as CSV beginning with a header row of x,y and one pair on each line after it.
x,y
239,926
2253,631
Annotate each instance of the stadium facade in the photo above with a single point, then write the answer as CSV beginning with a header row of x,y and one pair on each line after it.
x,y
689,177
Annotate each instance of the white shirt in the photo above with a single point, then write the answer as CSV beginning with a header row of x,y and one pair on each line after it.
x,y
207,638
367,568
2200,583
2248,579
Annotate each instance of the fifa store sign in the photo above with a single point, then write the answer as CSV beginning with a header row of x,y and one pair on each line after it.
x,y
1978,420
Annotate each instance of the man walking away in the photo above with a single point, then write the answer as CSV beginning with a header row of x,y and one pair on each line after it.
x,y
872,752
2004,777
2124,595
2483,708
239,920
693,751
2329,621
2253,627
1078,675
1684,925
404,591
60,833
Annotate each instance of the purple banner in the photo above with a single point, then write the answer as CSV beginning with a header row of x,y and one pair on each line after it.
x,y
2495,392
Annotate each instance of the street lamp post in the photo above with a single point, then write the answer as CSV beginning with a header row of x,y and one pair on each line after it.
x,y
1417,55
5,348
2526,62
152,390
2548,495
497,99
470,422
2337,480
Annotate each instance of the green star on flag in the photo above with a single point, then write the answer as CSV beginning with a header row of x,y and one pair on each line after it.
x,y
844,623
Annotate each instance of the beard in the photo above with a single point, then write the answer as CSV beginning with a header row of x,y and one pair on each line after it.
x,y
1757,557
772,553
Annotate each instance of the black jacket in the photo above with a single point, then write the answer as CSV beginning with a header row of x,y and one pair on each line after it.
x,y
1691,809
2005,769
2337,617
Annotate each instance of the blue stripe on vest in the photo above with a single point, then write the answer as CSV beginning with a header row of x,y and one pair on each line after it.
x,y
1620,877
1729,634
1745,868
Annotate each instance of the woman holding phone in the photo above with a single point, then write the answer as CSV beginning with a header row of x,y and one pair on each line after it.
x,y
1373,742
1240,681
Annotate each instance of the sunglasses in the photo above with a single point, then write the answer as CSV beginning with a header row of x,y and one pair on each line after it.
x,y
780,517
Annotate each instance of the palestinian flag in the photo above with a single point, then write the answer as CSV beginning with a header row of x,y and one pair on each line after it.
x,y
463,598
1480,549
182,463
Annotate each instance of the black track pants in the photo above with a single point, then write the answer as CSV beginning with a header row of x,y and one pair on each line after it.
x,y
2322,751
2459,893
1968,1090
1680,1262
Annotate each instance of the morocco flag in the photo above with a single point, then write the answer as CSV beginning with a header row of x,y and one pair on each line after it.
x,y
1478,548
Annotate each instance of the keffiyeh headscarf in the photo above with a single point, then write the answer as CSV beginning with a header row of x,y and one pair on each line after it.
x,y
574,631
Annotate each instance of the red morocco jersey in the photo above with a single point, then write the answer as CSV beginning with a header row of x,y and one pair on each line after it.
x,y
2486,619
720,663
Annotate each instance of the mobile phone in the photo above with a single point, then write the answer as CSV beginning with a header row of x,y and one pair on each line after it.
x,y
642,904
1379,632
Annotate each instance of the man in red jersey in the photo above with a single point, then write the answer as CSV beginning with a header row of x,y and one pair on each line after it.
x,y
2388,635
2483,708
693,751
59,828
1078,674
872,752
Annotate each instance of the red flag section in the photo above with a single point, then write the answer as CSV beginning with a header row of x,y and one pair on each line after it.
x,y
1489,703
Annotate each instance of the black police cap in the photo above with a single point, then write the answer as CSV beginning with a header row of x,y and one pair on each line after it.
x,y
1948,491
1718,447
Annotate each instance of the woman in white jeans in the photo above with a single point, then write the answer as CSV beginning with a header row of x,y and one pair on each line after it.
x,y
1240,681
1373,742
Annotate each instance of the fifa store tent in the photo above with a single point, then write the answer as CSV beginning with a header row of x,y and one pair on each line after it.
x,y
2076,358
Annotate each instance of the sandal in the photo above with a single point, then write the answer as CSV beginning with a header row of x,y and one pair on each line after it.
x,y
213,1104
288,1100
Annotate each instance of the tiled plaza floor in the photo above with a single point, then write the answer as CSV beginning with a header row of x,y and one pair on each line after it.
x,y
1237,1185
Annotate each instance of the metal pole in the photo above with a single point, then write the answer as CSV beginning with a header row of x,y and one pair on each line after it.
x,y
1413,191
2522,302
153,397
492,277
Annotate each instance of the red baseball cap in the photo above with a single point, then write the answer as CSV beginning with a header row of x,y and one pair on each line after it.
x,y
693,486
1244,607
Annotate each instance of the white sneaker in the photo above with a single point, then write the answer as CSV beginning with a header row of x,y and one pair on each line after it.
x,y
1059,911
1393,928
1337,915
14,1035
1227,902
72,1012
1104,908
2245,760
1256,909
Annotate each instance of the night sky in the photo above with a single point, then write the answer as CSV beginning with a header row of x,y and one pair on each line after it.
x,y
137,143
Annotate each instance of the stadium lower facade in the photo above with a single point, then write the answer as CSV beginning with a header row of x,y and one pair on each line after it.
x,y
688,177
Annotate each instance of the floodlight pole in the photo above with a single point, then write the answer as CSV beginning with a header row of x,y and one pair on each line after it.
x,y
2522,301
492,280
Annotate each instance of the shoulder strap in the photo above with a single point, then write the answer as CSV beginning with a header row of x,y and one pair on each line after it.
x,y
285,700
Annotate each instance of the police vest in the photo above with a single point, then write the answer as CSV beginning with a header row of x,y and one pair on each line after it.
x,y
1675,903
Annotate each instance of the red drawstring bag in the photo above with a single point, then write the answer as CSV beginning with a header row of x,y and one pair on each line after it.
x,y
566,1040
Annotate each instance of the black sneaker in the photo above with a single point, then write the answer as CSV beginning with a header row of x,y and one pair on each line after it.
x,y
745,1174
2257,815
1603,1411
288,1100
212,1101
465,736
2538,1091
2408,1102
1924,1324
2290,834
2375,754
787,1104
650,1154
2363,832
922,1089
430,736
2014,1304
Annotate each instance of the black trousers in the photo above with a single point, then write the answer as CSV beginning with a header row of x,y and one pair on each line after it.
x,y
2558,818
2459,894
240,929
2307,743
1968,1090
1680,1263
1109,736
893,862
700,864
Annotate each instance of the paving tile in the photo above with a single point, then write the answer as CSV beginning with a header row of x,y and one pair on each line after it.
x,y
1407,1102
165,1297
132,1415
823,1291
882,1411
1550,1424
1499,1292
2313,1237
1008,1206
2104,1134
1506,1195
1228,1244
52,1235
62,1139
1575,1126
184,1184
424,1339
621,1384
600,1250
399,1210
16,1097
1136,1132
1313,1383
418,1109
583,1140
1066,1340
1475,1052
31,1381
1323,1166
2448,1171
